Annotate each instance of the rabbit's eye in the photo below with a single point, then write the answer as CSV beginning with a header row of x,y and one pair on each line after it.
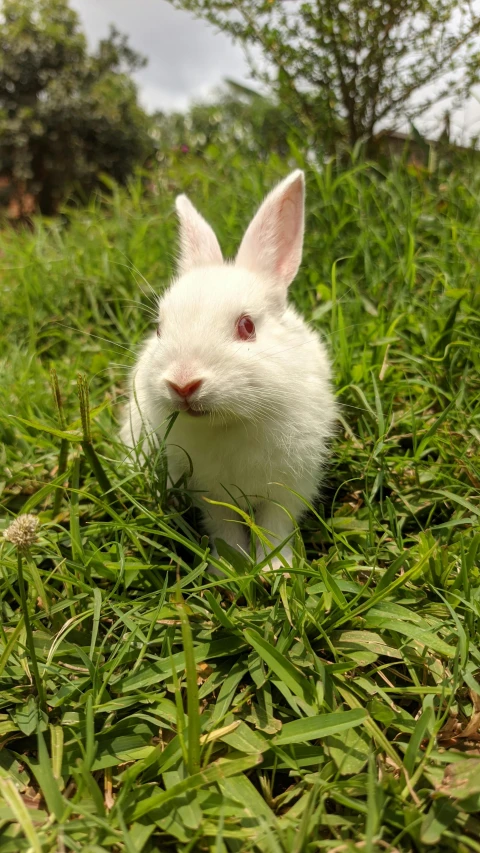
x,y
158,331
246,328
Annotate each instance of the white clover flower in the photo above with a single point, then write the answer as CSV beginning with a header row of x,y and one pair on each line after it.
x,y
22,532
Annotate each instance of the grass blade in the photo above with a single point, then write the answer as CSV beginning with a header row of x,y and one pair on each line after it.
x,y
192,691
20,812
314,728
281,666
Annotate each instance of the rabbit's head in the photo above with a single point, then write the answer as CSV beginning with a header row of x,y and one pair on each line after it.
x,y
223,326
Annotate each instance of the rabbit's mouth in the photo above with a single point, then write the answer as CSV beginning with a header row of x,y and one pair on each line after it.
x,y
194,413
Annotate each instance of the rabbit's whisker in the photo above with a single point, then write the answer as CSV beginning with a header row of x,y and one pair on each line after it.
x,y
132,268
99,338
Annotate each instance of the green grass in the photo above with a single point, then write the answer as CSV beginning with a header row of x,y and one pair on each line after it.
x,y
336,710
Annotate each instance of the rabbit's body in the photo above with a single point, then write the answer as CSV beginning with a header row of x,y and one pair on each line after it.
x,y
256,409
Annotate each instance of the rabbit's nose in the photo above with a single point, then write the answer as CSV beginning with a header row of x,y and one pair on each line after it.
x,y
185,390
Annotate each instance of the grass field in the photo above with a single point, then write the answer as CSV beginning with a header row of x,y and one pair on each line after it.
x,y
145,708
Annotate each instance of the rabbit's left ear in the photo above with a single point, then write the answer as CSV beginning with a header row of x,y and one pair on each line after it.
x,y
198,244
273,242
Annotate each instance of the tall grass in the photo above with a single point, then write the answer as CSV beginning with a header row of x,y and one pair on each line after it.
x,y
337,709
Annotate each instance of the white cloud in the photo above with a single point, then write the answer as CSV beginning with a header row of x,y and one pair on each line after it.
x,y
186,57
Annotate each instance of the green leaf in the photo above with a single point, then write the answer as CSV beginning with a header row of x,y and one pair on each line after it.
x,y
227,691
413,752
160,671
97,606
58,433
426,638
11,768
241,789
10,644
349,750
49,784
20,813
281,666
56,746
122,742
439,818
313,728
357,641
461,780
244,739
459,500
26,718
215,773
193,712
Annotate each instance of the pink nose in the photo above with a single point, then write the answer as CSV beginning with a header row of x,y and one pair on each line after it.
x,y
185,390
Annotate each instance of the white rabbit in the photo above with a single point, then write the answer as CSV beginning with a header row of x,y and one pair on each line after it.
x,y
250,379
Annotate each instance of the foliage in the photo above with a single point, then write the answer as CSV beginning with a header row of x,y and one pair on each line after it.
x,y
65,115
333,710
364,61
240,119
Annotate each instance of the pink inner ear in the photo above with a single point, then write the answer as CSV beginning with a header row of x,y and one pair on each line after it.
x,y
273,241
290,240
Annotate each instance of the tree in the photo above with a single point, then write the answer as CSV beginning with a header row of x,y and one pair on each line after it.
x,y
239,120
364,61
65,116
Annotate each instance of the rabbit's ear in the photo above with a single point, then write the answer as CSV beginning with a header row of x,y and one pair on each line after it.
x,y
198,244
273,242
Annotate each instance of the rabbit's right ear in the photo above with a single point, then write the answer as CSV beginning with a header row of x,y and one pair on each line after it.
x,y
198,244
273,241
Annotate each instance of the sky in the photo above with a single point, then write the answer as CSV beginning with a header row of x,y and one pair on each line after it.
x,y
187,58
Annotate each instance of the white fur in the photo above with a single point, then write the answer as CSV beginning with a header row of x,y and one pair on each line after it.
x,y
270,406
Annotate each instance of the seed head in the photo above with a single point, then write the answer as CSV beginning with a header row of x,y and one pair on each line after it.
x,y
22,532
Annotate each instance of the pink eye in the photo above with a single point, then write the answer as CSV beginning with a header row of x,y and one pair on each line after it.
x,y
246,328
158,331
